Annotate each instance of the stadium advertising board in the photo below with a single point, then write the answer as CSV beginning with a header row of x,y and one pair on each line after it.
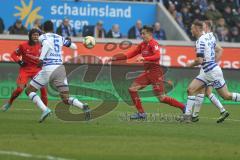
x,y
80,13
172,56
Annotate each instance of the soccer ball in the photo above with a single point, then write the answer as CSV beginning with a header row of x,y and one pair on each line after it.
x,y
89,42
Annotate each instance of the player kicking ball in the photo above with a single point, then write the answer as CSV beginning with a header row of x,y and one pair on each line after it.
x,y
27,56
210,71
53,71
149,52
207,91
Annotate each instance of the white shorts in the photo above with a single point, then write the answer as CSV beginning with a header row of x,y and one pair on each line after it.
x,y
212,78
53,74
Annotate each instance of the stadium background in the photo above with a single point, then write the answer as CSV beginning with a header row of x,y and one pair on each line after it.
x,y
174,53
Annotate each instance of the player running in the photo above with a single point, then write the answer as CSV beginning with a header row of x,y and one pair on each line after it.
x,y
207,26
53,71
150,55
210,70
27,56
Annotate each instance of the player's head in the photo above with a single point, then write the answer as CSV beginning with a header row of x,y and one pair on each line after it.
x,y
33,36
197,28
208,26
48,26
147,33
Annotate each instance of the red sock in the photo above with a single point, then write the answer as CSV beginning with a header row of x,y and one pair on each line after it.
x,y
15,94
44,96
136,100
173,102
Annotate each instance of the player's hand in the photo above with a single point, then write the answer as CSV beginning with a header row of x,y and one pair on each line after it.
x,y
21,63
40,63
189,64
140,59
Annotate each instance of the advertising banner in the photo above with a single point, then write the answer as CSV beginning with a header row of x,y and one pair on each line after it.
x,y
171,56
80,13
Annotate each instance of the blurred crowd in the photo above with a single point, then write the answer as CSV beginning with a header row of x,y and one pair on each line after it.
x,y
225,15
97,30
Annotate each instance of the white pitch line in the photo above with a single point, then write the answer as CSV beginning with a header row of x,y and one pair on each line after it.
x,y
28,155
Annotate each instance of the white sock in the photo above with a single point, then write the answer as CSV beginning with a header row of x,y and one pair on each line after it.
x,y
37,100
216,102
190,103
198,103
236,97
75,102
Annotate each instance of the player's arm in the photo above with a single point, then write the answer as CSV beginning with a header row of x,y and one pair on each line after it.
x,y
128,55
67,42
218,51
200,47
16,56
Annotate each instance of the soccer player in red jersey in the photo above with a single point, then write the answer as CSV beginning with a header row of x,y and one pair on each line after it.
x,y
27,55
150,55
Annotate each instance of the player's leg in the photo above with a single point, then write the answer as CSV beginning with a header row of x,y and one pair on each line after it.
x,y
213,98
44,97
59,81
158,88
36,83
139,83
21,83
193,89
198,103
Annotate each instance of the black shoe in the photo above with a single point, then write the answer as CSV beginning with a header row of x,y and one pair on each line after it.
x,y
87,112
195,119
223,116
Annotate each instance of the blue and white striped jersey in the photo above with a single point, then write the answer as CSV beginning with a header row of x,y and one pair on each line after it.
x,y
205,48
54,53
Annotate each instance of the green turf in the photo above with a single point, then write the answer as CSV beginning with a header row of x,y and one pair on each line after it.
x,y
112,138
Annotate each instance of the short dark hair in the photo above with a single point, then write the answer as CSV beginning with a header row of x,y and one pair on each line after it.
x,y
198,24
209,23
148,28
48,26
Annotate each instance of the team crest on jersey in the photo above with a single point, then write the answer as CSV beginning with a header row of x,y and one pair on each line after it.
x,y
156,47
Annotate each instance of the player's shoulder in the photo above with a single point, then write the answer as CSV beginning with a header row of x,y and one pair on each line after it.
x,y
201,39
153,42
23,45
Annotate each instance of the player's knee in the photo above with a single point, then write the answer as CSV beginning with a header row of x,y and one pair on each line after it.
x,y
190,91
227,96
65,101
132,89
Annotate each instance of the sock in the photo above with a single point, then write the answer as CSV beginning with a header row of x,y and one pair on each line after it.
x,y
37,100
236,97
44,96
216,102
173,102
198,103
15,94
75,102
136,100
190,103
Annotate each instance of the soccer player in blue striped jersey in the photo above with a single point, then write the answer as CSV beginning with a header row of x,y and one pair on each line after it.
x,y
207,25
210,71
53,71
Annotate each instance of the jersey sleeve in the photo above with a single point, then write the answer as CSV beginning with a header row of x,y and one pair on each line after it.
x,y
42,38
128,55
156,53
200,47
66,42
17,53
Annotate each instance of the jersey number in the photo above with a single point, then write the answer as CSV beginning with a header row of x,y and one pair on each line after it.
x,y
56,45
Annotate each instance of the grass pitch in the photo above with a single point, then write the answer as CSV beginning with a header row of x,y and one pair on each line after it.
x,y
111,137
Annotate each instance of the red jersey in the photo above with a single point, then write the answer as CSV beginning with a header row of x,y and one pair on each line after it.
x,y
150,51
29,55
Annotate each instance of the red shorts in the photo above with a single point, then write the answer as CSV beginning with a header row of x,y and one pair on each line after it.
x,y
25,75
155,78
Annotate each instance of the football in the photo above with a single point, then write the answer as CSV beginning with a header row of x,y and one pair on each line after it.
x,y
89,42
